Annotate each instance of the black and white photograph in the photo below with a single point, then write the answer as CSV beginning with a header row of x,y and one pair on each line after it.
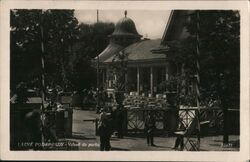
x,y
125,79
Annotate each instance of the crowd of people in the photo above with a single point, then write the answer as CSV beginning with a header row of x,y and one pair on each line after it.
x,y
110,122
112,119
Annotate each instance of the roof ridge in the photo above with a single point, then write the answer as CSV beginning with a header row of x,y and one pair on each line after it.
x,y
143,40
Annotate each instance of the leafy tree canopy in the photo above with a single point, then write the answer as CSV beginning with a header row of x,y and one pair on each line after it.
x,y
69,47
219,54
93,39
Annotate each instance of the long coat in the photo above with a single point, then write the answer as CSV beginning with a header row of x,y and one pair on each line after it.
x,y
149,124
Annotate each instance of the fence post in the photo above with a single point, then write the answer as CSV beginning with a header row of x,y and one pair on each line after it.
x,y
96,127
125,122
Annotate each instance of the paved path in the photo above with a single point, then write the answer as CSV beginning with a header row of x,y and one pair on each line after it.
x,y
84,138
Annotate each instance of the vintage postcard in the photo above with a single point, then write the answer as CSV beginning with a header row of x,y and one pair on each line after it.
x,y
125,80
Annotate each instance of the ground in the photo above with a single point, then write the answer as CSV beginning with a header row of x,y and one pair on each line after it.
x,y
84,138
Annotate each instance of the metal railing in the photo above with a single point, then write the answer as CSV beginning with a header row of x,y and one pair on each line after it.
x,y
167,120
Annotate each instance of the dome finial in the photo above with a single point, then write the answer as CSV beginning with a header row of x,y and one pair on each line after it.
x,y
125,13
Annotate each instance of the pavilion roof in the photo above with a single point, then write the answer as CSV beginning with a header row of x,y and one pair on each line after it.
x,y
141,51
110,51
175,29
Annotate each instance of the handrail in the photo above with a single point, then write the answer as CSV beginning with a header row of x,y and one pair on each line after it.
x,y
186,108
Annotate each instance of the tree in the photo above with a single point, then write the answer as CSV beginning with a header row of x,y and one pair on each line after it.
x,y
61,30
219,58
93,39
24,40
119,69
69,48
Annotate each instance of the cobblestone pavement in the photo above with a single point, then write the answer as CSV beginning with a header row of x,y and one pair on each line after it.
x,y
84,138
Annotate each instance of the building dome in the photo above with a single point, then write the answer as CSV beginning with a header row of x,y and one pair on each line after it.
x,y
125,32
125,27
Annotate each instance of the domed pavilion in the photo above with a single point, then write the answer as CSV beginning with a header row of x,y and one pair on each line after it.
x,y
146,70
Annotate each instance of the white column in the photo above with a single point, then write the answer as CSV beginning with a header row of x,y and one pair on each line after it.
x,y
114,81
109,81
103,77
151,81
167,71
107,78
138,80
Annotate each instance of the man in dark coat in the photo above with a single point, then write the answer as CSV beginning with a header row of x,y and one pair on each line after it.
x,y
104,128
149,128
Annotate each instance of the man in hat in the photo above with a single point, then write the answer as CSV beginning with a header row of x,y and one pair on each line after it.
x,y
104,131
149,128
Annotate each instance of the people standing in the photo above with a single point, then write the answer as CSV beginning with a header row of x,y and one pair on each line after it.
x,y
179,138
150,128
118,117
179,142
104,131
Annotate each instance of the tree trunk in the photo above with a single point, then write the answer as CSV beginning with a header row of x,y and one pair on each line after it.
x,y
225,119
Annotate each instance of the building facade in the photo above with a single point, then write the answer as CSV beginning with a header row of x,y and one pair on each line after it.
x,y
148,66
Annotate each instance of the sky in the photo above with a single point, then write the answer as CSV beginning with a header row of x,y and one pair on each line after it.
x,y
149,23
